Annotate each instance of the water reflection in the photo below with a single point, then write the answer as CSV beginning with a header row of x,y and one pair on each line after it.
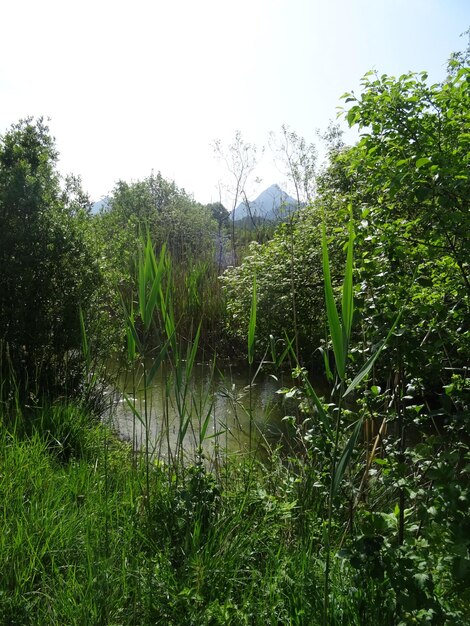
x,y
216,410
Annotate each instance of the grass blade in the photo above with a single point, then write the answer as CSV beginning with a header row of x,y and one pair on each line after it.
x,y
345,456
369,364
156,363
85,346
334,324
252,324
347,300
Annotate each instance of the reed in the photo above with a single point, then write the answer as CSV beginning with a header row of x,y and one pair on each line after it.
x,y
98,532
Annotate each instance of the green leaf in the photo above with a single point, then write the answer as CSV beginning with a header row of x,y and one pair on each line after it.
x,y
141,285
334,325
324,417
131,405
326,362
345,456
193,353
422,162
347,300
252,324
370,363
85,347
157,363
131,343
130,326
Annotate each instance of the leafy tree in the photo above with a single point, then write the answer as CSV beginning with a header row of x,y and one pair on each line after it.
x,y
240,158
272,264
408,179
172,218
47,258
219,213
298,160
169,213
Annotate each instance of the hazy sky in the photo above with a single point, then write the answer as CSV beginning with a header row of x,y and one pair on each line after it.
x,y
148,84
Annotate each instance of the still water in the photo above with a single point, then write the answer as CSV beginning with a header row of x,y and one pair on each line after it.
x,y
215,410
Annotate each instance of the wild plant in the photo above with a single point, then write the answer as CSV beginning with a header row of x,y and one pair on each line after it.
x,y
339,445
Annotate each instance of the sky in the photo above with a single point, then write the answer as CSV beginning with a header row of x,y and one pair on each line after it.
x,y
132,87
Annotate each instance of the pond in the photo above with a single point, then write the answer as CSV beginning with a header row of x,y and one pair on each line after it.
x,y
216,410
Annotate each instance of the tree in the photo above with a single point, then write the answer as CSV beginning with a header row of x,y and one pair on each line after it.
x,y
407,179
171,217
240,158
298,161
48,266
221,216
276,271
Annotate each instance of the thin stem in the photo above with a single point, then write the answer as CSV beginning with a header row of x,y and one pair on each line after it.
x,y
147,433
326,588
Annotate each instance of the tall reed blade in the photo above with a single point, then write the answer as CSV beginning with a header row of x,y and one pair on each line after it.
x,y
131,342
85,346
334,324
370,362
252,324
347,300
345,457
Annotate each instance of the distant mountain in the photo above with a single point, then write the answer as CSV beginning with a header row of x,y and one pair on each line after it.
x,y
101,205
272,204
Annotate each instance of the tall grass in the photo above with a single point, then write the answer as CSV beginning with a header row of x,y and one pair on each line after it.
x,y
96,531
79,544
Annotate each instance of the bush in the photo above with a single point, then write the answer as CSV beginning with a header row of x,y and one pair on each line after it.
x,y
48,265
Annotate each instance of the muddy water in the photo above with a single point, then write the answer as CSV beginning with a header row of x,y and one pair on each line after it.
x,y
215,410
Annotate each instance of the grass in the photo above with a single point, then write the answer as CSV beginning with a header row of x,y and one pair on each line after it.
x,y
79,544
91,537
95,531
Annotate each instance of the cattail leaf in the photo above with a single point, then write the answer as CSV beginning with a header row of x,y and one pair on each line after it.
x,y
326,362
252,324
184,428
334,324
347,299
205,423
322,414
152,300
158,360
85,347
131,344
193,352
141,285
130,325
344,458
131,405
370,362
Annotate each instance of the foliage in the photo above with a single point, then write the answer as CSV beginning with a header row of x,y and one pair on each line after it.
x,y
240,159
298,161
275,277
169,213
369,497
158,208
408,178
47,253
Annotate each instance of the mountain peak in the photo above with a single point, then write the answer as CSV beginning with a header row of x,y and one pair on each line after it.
x,y
272,204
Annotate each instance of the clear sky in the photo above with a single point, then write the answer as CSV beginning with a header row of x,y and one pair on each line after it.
x,y
149,84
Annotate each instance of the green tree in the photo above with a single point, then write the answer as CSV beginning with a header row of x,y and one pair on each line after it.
x,y
170,214
408,180
48,265
172,218
240,159
290,260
